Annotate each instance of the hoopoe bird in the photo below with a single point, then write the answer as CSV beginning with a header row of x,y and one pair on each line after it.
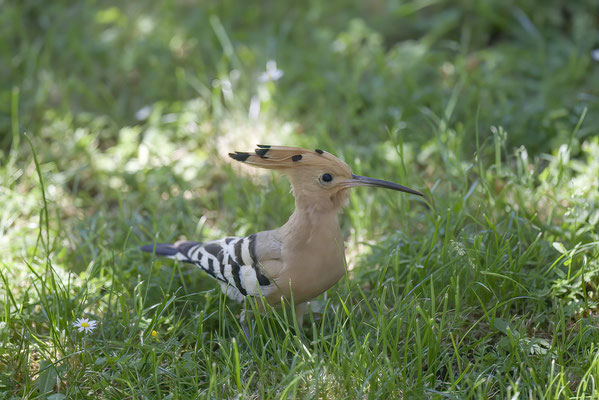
x,y
301,259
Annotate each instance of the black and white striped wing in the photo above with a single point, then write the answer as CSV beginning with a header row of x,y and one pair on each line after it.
x,y
232,261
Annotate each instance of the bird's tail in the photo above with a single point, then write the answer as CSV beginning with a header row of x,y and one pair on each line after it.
x,y
161,249
178,251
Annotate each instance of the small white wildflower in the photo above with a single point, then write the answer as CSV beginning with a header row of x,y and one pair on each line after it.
x,y
85,325
143,113
272,73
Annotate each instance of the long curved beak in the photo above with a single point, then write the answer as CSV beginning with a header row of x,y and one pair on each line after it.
x,y
358,180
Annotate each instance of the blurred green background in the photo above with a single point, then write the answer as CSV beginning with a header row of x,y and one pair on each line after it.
x,y
351,69
490,106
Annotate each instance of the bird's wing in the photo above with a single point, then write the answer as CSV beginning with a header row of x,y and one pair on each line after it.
x,y
233,261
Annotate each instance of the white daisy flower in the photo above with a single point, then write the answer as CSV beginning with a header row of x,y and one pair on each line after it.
x,y
85,325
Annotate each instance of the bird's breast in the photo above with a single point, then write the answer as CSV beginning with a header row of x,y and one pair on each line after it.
x,y
312,262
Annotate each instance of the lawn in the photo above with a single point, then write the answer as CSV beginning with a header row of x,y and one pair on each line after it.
x,y
115,123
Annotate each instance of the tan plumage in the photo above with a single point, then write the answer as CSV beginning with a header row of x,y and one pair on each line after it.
x,y
304,257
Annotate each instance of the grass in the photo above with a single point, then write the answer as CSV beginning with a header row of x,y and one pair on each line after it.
x,y
490,107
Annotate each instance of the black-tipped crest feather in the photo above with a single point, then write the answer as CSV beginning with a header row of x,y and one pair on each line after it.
x,y
239,156
261,152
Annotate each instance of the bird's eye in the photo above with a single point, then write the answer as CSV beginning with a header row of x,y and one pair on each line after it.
x,y
327,177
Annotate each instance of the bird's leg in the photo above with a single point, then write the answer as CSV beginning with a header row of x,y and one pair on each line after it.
x,y
243,320
250,306
300,311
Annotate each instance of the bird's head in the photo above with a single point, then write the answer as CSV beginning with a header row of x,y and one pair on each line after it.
x,y
319,180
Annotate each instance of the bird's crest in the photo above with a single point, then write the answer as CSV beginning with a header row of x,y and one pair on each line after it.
x,y
317,177
284,157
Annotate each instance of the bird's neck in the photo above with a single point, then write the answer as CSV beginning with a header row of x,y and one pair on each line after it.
x,y
311,203
312,224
